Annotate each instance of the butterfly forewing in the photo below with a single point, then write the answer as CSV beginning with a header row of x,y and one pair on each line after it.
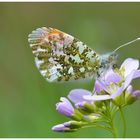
x,y
60,56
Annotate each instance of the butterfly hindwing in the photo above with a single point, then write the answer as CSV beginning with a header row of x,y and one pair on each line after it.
x,y
60,56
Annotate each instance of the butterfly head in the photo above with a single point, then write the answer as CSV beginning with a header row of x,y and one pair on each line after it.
x,y
112,59
108,61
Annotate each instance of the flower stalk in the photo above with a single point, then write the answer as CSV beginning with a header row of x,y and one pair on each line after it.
x,y
124,122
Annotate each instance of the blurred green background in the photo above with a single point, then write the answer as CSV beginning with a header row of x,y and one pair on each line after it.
x,y
27,101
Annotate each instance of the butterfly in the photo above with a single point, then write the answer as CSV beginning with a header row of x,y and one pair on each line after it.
x,y
62,57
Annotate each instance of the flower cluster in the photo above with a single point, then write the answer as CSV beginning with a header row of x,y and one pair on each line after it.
x,y
111,92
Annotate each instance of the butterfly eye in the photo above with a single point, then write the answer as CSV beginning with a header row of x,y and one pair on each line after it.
x,y
114,66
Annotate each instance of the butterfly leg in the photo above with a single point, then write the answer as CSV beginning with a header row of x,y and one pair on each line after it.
x,y
98,74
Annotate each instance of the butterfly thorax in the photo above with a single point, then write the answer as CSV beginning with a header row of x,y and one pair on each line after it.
x,y
108,61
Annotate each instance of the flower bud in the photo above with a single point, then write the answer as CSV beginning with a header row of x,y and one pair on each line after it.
x,y
131,97
92,117
74,124
136,93
65,107
60,128
77,115
86,107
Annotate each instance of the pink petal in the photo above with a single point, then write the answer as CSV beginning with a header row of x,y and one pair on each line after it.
x,y
128,79
136,93
136,74
118,92
130,65
129,89
97,97
112,76
98,86
76,95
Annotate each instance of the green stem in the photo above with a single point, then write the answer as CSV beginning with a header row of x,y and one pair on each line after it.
x,y
124,123
114,133
109,116
98,125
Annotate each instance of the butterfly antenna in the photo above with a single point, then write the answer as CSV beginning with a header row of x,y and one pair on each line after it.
x,y
128,43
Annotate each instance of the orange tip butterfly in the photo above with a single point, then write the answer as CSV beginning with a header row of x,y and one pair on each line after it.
x,y
62,57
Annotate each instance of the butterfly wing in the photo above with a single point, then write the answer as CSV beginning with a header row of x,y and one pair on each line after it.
x,y
60,56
